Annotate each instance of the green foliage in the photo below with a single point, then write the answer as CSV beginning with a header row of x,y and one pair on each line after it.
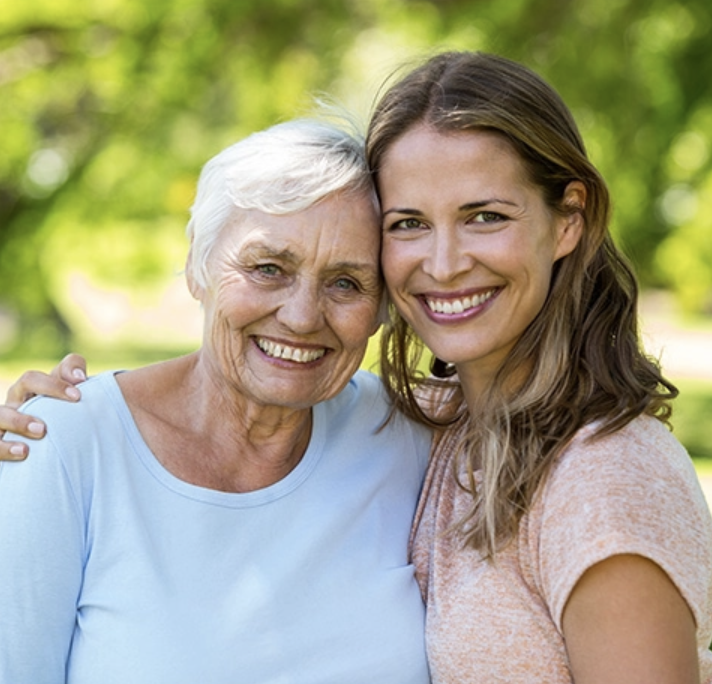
x,y
685,255
110,110
110,107
691,418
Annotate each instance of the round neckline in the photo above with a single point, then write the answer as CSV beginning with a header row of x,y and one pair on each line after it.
x,y
257,497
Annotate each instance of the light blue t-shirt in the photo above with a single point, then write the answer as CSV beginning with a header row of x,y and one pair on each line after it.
x,y
112,570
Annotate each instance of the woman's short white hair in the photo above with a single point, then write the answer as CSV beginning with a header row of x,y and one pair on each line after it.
x,y
283,169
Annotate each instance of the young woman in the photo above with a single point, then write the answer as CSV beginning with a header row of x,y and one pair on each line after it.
x,y
561,534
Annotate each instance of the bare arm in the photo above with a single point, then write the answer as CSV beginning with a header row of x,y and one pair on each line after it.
x,y
60,383
626,623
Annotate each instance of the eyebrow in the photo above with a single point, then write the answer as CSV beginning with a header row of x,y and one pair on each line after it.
x,y
269,252
464,207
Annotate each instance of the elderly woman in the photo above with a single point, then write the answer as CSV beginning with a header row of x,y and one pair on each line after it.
x,y
234,515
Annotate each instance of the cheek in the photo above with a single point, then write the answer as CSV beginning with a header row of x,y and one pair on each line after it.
x,y
227,316
222,344
396,260
356,325
537,286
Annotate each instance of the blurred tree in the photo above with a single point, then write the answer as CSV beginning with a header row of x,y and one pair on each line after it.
x,y
635,74
111,106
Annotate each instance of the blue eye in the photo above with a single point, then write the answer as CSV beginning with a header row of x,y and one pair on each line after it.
x,y
269,269
345,284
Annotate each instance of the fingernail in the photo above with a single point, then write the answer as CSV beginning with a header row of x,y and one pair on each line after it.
x,y
17,450
73,393
35,428
78,374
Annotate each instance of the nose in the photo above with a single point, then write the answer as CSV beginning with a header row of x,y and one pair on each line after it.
x,y
302,309
447,256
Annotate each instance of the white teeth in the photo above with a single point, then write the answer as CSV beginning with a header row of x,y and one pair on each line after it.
x,y
450,306
282,351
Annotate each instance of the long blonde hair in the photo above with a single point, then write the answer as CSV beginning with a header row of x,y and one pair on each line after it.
x,y
588,364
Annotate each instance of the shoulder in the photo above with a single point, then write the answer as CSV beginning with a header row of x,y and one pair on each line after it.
x,y
97,391
363,408
366,382
62,463
631,492
74,426
639,473
89,445
640,455
363,399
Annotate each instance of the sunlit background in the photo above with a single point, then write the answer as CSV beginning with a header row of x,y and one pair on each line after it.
x,y
108,108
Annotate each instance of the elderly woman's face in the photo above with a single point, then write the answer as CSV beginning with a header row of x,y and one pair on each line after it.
x,y
293,299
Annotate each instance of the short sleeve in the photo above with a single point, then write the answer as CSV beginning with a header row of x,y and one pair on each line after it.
x,y
633,492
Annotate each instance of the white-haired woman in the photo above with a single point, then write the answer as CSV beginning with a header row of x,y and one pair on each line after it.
x,y
234,515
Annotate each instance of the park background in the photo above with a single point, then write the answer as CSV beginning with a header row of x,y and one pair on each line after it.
x,y
108,109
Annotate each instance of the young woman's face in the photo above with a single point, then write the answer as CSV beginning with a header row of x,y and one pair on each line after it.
x,y
468,243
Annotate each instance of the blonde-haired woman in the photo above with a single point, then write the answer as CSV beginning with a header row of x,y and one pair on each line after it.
x,y
562,535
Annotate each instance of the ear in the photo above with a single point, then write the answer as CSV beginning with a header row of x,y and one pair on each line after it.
x,y
570,226
196,290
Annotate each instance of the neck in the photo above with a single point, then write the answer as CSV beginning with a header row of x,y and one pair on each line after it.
x,y
475,388
477,385
206,433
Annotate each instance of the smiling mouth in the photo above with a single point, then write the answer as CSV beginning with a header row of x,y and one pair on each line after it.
x,y
460,305
288,353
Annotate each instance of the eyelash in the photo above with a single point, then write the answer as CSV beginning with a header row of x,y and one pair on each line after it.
x,y
494,217
399,225
263,269
486,217
352,285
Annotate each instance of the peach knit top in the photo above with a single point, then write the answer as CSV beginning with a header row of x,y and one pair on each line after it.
x,y
633,492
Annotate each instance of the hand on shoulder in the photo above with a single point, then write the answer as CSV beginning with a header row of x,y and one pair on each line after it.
x,y
60,383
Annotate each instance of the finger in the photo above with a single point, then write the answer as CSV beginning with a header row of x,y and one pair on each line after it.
x,y
13,421
72,368
13,451
32,383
